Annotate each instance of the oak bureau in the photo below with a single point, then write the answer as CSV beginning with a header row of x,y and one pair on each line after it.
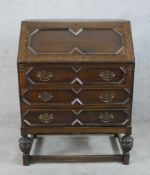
x,y
76,77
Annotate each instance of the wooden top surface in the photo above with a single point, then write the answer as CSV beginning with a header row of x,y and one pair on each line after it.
x,y
75,41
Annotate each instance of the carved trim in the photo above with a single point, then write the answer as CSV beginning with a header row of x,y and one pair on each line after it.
x,y
119,51
75,33
47,97
76,49
108,76
128,98
76,69
77,100
76,91
124,74
77,121
76,80
125,122
107,97
122,70
29,41
25,144
27,122
122,41
126,143
23,97
77,112
28,77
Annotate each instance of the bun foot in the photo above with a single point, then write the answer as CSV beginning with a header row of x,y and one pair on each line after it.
x,y
126,144
25,144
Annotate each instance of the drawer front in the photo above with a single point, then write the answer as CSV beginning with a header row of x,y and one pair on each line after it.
x,y
34,96
75,118
75,75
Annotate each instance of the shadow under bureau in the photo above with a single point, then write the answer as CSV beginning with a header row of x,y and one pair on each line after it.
x,y
75,77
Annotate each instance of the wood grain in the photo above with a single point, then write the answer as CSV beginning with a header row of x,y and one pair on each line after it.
x,y
76,77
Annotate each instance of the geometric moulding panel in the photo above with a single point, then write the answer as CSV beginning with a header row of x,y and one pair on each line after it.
x,y
76,41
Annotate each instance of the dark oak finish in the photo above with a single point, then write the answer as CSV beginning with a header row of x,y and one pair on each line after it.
x,y
59,74
76,77
120,37
75,117
76,158
49,97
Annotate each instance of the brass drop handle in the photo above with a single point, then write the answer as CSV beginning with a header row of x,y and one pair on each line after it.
x,y
45,96
44,76
106,97
107,75
106,117
46,118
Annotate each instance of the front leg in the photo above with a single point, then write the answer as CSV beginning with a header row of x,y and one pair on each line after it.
x,y
25,144
126,144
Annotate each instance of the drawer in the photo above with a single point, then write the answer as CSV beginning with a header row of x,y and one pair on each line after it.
x,y
75,97
76,75
75,117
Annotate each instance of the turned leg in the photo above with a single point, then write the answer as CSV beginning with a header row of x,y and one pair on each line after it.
x,y
25,144
126,144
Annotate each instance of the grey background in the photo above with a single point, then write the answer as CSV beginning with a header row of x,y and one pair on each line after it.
x,y
11,13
